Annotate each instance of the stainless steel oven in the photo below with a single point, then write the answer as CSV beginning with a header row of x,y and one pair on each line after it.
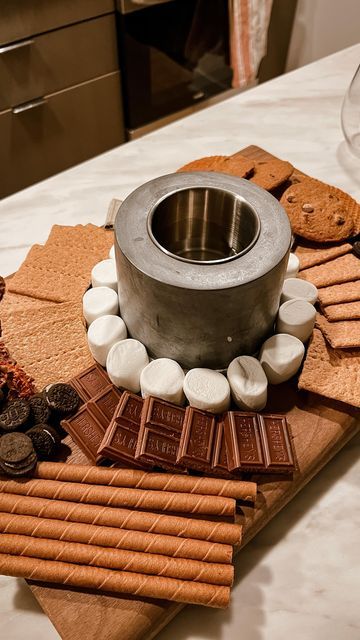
x,y
173,54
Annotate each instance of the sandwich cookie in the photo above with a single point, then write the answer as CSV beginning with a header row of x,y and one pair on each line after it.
x,y
248,383
125,362
100,301
164,379
297,318
14,415
296,288
281,356
104,274
17,455
103,333
293,266
207,390
45,440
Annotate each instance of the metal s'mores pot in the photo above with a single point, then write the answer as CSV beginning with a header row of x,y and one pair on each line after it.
x,y
201,259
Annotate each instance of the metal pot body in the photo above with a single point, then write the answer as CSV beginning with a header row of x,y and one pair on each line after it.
x,y
201,259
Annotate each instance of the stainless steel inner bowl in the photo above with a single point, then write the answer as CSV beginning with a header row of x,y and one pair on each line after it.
x,y
201,259
203,225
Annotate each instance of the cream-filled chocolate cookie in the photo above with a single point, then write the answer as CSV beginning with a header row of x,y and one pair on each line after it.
x,y
248,383
163,378
103,333
98,302
207,390
297,318
125,362
297,288
281,356
103,274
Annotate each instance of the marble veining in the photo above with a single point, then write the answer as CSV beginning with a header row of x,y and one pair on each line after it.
x,y
299,578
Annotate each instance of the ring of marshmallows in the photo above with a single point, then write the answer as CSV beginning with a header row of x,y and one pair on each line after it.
x,y
247,378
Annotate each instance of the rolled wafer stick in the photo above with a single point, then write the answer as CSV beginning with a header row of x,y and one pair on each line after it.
x,y
118,497
145,480
116,538
222,532
93,556
115,581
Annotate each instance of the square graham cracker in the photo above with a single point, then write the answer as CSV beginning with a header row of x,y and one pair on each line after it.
x,y
345,292
61,270
330,372
50,343
312,256
341,335
345,311
343,269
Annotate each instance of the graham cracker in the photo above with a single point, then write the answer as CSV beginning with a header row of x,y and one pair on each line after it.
x,y
61,270
233,165
341,335
50,343
346,311
343,269
331,373
311,256
271,173
346,292
16,301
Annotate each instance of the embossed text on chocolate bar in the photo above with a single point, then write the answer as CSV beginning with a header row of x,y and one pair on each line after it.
x,y
197,437
87,431
159,435
90,382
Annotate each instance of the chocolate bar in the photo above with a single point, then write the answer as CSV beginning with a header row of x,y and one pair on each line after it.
x,y
105,403
87,430
159,435
196,441
219,462
120,440
257,443
90,382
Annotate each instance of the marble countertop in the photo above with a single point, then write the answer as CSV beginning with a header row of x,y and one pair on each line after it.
x,y
299,577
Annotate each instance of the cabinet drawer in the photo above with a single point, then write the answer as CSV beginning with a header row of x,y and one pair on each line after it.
x,y
23,18
69,127
58,59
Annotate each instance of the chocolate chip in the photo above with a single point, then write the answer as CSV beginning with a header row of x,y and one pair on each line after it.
x,y
15,415
339,220
62,398
290,198
307,208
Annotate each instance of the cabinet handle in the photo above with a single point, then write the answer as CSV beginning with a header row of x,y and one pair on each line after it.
x,y
33,104
17,45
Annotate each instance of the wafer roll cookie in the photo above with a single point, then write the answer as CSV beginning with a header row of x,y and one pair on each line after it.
x,y
116,538
142,480
93,556
119,497
115,581
223,532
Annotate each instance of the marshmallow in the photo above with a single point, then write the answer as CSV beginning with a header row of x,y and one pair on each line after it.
x,y
281,356
125,362
297,288
248,383
163,378
103,333
297,318
100,301
293,265
104,274
112,253
207,390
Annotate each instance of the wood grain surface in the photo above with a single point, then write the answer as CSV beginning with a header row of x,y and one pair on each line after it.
x,y
319,430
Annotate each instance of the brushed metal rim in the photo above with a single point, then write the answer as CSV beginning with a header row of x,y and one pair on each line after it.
x,y
136,245
188,260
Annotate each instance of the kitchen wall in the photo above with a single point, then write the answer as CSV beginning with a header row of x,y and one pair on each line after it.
x,y
322,27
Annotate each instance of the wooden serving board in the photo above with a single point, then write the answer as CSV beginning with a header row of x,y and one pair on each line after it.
x,y
319,430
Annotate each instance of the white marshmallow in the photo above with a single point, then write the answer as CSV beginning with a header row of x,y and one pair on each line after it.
x,y
297,288
296,317
100,301
103,333
163,378
207,390
112,253
248,383
125,362
281,356
104,274
293,265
